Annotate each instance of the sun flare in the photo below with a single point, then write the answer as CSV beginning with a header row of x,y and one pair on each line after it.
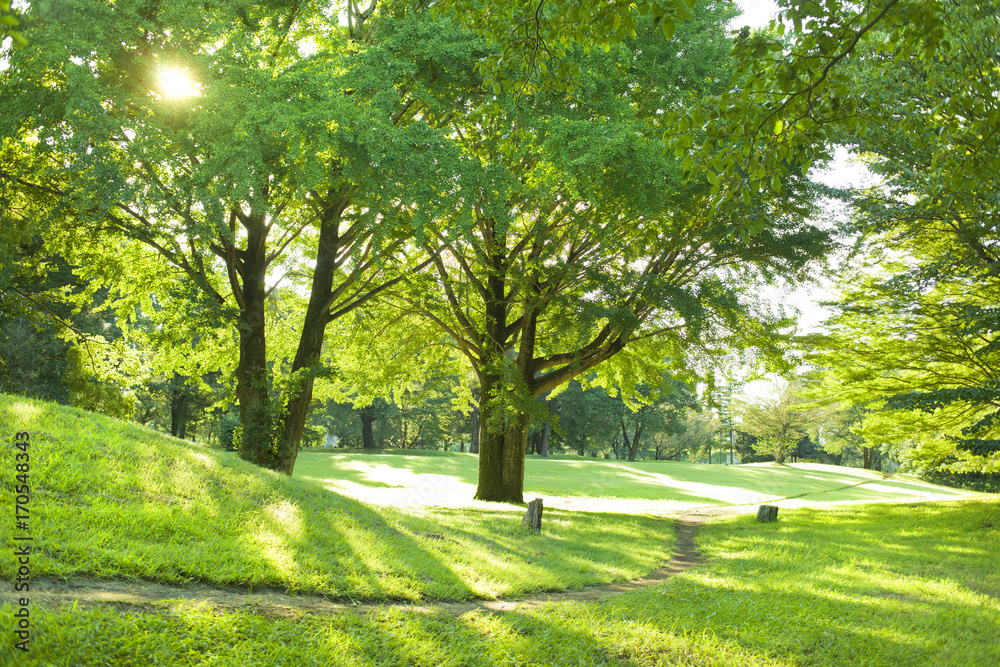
x,y
177,84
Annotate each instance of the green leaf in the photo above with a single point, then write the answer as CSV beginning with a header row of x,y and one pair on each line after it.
x,y
668,27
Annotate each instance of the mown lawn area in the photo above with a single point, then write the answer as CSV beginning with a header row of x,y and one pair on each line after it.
x,y
414,477
860,585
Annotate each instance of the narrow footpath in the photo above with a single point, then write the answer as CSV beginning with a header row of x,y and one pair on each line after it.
x,y
141,595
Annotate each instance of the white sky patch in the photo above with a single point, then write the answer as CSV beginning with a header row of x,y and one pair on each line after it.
x,y
756,13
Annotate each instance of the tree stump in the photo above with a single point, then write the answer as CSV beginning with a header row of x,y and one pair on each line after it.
x,y
767,513
533,517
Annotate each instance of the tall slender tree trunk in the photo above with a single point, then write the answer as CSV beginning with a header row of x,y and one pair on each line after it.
x,y
631,445
474,436
179,407
311,340
544,447
367,433
252,376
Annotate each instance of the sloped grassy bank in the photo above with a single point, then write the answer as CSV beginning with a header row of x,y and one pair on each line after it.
x,y
114,500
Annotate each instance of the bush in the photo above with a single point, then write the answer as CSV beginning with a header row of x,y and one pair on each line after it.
x,y
974,481
227,427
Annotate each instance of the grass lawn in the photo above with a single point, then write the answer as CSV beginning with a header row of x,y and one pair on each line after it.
x,y
111,499
443,477
874,584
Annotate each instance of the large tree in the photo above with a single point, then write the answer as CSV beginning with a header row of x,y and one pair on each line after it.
x,y
915,338
295,145
578,243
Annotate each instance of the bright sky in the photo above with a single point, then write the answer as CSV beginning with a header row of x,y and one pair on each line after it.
x,y
842,172
756,13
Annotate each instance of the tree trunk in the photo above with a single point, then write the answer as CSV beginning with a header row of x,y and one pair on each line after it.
x,y
501,449
367,434
474,436
502,444
252,376
502,439
872,458
179,399
300,389
535,442
631,446
544,451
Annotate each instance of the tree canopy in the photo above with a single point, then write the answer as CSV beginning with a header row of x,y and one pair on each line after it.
x,y
274,195
232,146
916,332
579,245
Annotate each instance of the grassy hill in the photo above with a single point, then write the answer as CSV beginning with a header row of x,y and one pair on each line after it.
x,y
878,584
112,499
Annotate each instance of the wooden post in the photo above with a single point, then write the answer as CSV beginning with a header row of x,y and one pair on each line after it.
x,y
767,513
533,517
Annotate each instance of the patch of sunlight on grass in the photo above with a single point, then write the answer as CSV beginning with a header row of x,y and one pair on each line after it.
x,y
274,548
204,459
817,587
893,489
25,411
287,515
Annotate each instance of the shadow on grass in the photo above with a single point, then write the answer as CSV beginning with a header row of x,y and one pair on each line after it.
x,y
122,502
880,584
693,619
191,635
646,480
598,479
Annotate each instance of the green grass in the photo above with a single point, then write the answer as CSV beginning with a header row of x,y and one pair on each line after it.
x,y
442,474
875,584
111,499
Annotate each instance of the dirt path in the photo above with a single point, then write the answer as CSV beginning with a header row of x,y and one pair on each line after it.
x,y
140,595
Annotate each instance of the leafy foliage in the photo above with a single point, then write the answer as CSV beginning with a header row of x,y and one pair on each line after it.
x,y
918,335
778,423
578,246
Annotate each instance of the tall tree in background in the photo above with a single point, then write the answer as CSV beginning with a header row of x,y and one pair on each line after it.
x,y
698,430
778,423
